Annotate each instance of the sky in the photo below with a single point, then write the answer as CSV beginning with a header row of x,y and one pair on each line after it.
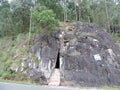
x,y
9,1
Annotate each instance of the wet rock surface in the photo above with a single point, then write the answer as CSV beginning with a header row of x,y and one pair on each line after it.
x,y
88,56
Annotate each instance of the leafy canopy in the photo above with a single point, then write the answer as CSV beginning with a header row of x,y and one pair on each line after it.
x,y
45,20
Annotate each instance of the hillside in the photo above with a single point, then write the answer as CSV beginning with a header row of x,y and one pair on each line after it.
x,y
85,54
14,53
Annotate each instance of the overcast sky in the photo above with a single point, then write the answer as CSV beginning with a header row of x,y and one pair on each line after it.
x,y
9,1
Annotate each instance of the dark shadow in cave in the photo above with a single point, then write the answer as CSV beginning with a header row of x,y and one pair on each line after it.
x,y
58,61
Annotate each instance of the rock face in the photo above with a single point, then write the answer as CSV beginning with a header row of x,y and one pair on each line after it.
x,y
43,59
88,56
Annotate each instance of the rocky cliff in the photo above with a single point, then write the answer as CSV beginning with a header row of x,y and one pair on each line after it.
x,y
87,55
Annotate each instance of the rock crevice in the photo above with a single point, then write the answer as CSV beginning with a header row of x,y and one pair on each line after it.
x,y
85,54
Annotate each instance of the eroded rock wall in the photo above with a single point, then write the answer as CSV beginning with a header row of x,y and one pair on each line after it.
x,y
89,56
45,52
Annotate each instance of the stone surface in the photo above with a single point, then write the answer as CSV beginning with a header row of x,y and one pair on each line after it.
x,y
55,78
88,56
45,52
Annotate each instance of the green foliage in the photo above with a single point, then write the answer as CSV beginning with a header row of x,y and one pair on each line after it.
x,y
20,15
15,21
36,61
3,68
20,77
5,72
117,38
5,23
15,16
54,5
8,75
46,20
85,11
12,54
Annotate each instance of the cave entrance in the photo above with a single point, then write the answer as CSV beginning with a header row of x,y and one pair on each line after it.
x,y
58,61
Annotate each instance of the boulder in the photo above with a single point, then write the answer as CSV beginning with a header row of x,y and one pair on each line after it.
x,y
90,58
42,59
87,55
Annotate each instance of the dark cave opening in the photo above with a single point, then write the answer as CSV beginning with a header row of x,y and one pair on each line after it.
x,y
58,61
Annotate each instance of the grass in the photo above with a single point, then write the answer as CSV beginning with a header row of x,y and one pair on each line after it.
x,y
12,54
19,82
117,38
85,34
15,52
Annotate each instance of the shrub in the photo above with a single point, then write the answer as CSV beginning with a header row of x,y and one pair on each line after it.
x,y
8,75
5,72
45,21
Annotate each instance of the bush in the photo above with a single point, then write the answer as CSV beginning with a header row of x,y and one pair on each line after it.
x,y
8,75
46,20
3,68
5,73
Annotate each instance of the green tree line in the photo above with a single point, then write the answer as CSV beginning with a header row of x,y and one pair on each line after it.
x,y
15,16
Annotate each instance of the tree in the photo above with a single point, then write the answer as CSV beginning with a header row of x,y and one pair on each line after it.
x,y
45,21
107,16
5,15
15,17
21,14
85,11
54,5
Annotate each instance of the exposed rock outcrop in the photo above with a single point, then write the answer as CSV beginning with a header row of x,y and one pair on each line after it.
x,y
88,56
43,58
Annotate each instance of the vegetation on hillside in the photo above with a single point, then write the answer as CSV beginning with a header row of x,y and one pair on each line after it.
x,y
44,21
15,16
20,17
13,57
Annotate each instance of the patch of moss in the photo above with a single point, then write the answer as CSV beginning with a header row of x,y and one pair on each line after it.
x,y
87,34
44,43
117,38
36,61
75,53
69,32
73,40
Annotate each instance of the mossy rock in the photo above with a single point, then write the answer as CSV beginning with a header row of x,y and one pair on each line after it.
x,y
36,61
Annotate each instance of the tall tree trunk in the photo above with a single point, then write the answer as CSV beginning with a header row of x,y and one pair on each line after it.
x,y
11,26
107,16
23,17
23,24
92,12
30,26
75,10
65,11
79,2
